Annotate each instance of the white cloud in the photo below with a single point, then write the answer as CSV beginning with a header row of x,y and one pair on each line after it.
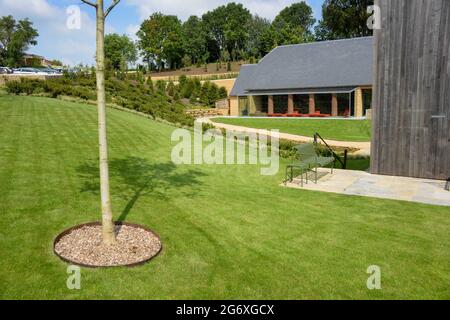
x,y
183,9
36,8
56,40
132,30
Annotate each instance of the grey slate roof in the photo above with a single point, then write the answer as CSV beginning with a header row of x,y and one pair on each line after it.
x,y
243,80
317,65
324,90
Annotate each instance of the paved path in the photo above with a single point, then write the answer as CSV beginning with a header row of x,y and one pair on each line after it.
x,y
362,183
363,147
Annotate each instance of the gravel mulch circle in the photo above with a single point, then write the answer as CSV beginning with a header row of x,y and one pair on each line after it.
x,y
83,246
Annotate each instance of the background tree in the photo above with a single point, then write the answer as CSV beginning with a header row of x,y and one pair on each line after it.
x,y
56,63
293,25
119,50
214,22
282,34
230,33
227,28
343,19
108,231
15,39
267,40
194,39
160,40
297,15
236,28
257,28
290,34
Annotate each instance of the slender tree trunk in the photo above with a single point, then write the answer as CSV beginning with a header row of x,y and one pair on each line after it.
x,y
107,216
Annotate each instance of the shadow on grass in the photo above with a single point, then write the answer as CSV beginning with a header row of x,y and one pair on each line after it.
x,y
135,177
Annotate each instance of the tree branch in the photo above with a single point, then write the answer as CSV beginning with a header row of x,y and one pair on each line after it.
x,y
116,2
90,3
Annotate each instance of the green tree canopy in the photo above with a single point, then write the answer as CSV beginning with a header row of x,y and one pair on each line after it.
x,y
119,51
297,15
194,39
230,32
15,39
291,26
257,28
228,28
282,34
160,40
56,62
344,19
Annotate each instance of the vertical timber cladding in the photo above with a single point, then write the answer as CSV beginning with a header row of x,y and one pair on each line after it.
x,y
411,97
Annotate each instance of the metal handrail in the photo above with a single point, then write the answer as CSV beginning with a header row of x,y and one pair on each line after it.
x,y
317,136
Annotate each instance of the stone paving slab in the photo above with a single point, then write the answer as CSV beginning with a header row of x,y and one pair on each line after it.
x,y
362,183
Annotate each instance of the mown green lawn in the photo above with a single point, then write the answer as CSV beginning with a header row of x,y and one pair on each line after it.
x,y
332,129
228,232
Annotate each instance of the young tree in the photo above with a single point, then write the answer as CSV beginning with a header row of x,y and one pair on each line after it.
x,y
161,87
119,49
15,39
171,89
109,236
150,85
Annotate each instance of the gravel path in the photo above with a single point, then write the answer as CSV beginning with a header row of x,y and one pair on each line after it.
x,y
363,147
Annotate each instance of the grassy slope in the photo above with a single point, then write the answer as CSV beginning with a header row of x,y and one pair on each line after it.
x,y
227,231
341,130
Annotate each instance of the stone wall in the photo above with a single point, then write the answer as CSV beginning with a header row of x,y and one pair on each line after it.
x,y
205,113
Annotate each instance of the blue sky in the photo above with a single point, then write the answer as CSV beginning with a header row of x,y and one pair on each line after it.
x,y
72,46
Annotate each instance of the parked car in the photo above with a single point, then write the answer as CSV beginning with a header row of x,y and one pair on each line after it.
x,y
49,71
5,70
24,71
59,70
29,71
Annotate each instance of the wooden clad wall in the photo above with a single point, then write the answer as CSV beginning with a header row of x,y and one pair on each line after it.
x,y
411,97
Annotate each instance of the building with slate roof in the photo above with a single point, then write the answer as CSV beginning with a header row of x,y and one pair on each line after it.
x,y
330,78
